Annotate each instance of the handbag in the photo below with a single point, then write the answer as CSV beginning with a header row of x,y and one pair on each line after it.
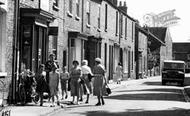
x,y
108,90
89,77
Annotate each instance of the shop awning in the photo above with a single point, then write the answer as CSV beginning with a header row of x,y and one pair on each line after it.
x,y
38,14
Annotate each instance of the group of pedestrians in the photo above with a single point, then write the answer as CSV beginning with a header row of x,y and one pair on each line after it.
x,y
80,81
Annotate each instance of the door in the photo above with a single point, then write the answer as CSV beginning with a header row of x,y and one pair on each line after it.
x,y
111,62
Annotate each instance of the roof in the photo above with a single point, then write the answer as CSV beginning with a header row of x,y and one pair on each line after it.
x,y
159,32
155,42
174,61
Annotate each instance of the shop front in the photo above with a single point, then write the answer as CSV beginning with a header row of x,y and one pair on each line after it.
x,y
83,47
34,40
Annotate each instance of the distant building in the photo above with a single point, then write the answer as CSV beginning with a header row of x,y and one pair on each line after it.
x,y
165,51
181,51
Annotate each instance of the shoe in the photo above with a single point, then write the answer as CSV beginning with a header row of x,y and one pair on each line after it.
x,y
58,103
52,105
72,103
41,104
98,104
80,99
86,102
103,103
66,97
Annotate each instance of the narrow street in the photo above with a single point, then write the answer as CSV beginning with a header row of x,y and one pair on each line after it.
x,y
145,97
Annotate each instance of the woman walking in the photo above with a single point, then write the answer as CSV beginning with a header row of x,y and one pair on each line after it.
x,y
119,73
99,81
86,72
75,75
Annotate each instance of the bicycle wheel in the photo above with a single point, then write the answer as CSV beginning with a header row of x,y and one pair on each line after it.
x,y
35,98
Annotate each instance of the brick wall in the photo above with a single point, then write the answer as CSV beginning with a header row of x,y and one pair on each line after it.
x,y
7,53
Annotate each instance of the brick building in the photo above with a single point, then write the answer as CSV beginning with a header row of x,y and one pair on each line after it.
x,y
181,51
77,30
164,52
141,51
6,41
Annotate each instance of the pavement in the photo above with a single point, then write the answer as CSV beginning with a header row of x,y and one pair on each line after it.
x,y
33,109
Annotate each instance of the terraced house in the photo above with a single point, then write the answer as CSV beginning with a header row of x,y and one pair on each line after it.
x,y
72,30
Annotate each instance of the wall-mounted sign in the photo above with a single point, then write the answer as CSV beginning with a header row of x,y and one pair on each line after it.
x,y
164,19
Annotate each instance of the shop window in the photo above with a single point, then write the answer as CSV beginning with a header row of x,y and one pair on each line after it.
x,y
64,58
72,42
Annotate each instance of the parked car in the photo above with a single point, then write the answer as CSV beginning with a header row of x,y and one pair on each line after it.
x,y
173,71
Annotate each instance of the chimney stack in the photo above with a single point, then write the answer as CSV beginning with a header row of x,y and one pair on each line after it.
x,y
123,7
115,2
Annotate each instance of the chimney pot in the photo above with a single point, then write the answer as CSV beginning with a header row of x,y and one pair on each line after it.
x,y
125,5
120,3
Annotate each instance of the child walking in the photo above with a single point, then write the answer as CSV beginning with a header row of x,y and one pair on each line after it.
x,y
41,82
53,85
64,77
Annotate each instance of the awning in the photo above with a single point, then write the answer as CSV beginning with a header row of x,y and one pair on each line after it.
x,y
154,42
38,14
77,34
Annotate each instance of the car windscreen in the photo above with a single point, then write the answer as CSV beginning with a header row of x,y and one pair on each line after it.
x,y
169,65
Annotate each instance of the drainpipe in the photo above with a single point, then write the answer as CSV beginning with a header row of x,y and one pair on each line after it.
x,y
13,99
82,24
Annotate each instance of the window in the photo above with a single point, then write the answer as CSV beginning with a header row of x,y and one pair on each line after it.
x,y
88,12
116,31
132,29
106,17
126,28
78,7
105,57
99,11
121,25
188,56
70,6
55,5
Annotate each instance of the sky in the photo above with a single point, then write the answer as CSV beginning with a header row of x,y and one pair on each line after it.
x,y
179,32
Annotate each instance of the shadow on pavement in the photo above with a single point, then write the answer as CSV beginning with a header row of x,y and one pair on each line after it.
x,y
139,112
149,96
173,90
152,83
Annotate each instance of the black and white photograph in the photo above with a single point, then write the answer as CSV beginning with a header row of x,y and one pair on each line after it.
x,y
94,58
